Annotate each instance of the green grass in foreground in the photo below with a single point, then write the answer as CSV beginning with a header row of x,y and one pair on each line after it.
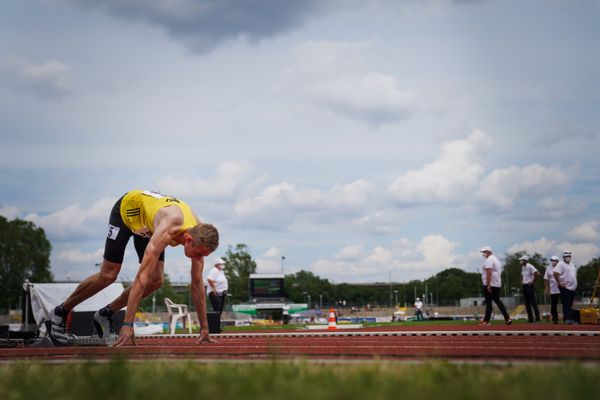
x,y
178,380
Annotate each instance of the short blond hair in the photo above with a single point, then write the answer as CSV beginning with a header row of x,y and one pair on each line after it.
x,y
205,235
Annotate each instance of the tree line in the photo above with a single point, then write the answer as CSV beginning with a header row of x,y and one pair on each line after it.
x,y
445,288
25,254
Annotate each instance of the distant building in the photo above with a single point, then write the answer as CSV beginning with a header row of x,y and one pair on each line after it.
x,y
472,302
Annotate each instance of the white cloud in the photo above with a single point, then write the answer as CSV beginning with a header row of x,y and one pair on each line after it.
x,y
47,80
405,260
349,252
379,255
458,176
279,205
588,231
437,251
75,264
557,207
333,76
270,261
73,220
502,187
225,183
9,212
449,178
76,256
582,252
379,223
544,246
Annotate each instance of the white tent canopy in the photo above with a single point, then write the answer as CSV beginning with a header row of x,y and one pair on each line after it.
x,y
46,296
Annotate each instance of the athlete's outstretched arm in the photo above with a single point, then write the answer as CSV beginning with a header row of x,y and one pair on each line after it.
x,y
158,242
199,296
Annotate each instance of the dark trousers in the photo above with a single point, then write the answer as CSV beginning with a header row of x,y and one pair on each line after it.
x,y
566,298
217,301
495,296
531,303
554,306
419,314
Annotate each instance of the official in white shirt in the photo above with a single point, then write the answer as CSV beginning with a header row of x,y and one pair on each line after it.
x,y
491,272
419,309
551,288
217,286
529,274
566,276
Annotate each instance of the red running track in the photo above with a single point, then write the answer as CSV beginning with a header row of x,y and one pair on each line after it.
x,y
546,342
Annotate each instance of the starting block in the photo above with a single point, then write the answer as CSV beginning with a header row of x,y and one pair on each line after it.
x,y
93,340
47,341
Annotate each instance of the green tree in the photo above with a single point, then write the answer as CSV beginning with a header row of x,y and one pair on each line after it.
x,y
586,278
238,267
24,254
452,284
166,290
303,283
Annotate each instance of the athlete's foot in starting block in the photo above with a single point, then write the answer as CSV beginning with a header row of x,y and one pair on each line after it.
x,y
57,328
103,325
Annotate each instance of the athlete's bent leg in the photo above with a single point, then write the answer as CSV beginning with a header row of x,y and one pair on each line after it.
x,y
92,285
155,282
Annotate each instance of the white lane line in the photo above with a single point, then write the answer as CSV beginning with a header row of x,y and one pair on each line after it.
x,y
384,333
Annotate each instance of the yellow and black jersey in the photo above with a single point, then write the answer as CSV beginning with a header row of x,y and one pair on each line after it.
x,y
139,207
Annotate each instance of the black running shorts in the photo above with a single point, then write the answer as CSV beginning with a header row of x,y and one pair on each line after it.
x,y
118,236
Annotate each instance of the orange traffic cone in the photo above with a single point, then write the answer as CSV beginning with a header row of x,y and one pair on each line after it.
x,y
332,325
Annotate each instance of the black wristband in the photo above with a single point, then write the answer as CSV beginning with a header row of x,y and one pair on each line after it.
x,y
127,323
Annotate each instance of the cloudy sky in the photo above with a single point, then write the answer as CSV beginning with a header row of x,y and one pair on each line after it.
x,y
362,139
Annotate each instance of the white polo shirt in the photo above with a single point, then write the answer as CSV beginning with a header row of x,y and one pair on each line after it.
x,y
549,276
528,273
220,281
418,305
567,274
492,263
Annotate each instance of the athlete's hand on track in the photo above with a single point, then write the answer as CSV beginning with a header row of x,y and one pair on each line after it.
x,y
125,334
205,337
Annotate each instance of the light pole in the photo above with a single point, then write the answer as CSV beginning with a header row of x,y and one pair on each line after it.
x,y
395,297
390,282
307,299
320,302
282,259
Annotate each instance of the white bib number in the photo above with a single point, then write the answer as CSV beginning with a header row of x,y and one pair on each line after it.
x,y
113,231
152,193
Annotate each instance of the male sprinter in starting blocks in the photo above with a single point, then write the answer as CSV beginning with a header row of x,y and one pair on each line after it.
x,y
155,221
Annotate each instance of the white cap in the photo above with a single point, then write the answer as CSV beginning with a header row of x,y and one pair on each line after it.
x,y
554,258
219,261
566,253
418,299
524,258
485,248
